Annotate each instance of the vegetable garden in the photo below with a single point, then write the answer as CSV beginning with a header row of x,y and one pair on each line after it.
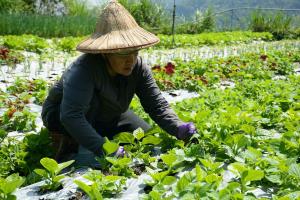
x,y
247,113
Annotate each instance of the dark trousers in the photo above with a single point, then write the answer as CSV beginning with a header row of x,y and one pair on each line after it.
x,y
127,122
64,144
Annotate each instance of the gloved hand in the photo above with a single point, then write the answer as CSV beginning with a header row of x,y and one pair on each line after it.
x,y
186,130
120,152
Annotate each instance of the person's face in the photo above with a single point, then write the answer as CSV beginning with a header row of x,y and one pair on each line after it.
x,y
121,63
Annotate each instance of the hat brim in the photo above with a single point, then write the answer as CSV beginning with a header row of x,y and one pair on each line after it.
x,y
118,41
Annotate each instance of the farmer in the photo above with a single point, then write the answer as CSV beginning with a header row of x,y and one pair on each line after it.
x,y
91,99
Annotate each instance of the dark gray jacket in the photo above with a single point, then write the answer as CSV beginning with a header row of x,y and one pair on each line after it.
x,y
87,95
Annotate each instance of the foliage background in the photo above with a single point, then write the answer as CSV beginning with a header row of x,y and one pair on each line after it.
x,y
58,18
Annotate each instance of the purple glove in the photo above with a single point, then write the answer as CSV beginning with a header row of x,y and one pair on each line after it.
x,y
120,152
186,130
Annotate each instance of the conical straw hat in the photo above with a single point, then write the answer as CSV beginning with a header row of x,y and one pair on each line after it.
x,y
117,31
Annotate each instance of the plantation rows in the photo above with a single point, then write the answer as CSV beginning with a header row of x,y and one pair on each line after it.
x,y
247,147
49,63
38,44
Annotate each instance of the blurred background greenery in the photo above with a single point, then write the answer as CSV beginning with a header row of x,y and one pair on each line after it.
x,y
59,18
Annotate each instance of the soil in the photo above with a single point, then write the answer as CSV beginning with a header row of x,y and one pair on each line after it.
x,y
148,189
139,169
78,196
43,191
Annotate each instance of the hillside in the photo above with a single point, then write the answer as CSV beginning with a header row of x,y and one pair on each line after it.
x,y
187,8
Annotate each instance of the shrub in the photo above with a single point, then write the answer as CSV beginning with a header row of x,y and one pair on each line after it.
x,y
279,24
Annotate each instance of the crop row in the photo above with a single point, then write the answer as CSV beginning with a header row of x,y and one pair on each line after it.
x,y
38,44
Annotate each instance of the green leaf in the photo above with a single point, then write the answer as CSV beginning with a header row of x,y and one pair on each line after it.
x,y
41,172
168,180
248,129
252,175
11,183
240,140
206,163
3,133
155,195
211,178
112,160
63,165
49,164
182,184
169,159
123,161
151,140
125,138
252,154
58,178
187,196
238,196
237,168
110,147
200,174
211,165
11,197
138,133
92,193
112,178
159,176
294,169
275,178
232,186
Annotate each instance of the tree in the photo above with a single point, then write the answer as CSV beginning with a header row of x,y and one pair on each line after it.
x,y
208,22
12,6
146,13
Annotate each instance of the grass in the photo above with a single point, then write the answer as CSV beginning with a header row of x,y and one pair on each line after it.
x,y
46,26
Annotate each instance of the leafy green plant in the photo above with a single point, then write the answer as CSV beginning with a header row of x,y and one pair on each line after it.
x,y
23,88
19,120
3,134
159,179
109,148
194,184
138,141
67,44
35,147
101,186
27,42
116,166
11,157
51,173
22,156
10,57
9,185
121,166
139,144
246,175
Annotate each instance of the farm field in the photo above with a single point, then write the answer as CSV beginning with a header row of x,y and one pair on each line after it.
x,y
242,95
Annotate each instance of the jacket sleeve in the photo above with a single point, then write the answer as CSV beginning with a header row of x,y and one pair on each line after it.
x,y
78,89
154,103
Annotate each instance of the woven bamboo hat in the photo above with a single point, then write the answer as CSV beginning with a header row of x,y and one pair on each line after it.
x,y
117,31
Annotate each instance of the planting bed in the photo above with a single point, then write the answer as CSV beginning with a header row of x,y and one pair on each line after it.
x,y
245,105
